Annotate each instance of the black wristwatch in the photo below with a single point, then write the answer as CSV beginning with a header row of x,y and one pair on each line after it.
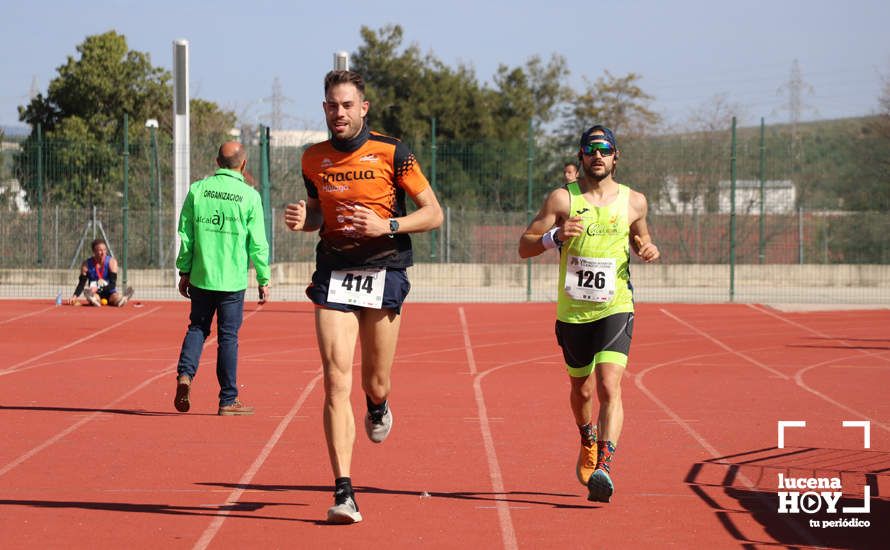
x,y
393,226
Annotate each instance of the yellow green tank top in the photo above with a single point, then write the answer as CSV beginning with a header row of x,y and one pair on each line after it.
x,y
594,274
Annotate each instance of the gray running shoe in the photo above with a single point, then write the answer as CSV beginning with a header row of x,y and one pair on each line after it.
x,y
92,297
600,487
126,297
378,426
344,510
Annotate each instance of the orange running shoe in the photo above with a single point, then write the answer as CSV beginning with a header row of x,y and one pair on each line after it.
x,y
586,463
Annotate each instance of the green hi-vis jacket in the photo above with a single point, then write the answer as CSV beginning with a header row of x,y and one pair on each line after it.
x,y
221,226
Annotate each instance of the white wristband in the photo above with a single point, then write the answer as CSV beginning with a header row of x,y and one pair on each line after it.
x,y
549,239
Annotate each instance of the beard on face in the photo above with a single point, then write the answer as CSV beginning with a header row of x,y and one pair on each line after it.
x,y
597,173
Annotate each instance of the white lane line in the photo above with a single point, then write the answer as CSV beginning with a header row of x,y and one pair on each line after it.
x,y
471,361
706,445
214,527
54,439
497,482
24,315
819,333
20,366
508,534
74,427
798,376
638,381
245,480
729,349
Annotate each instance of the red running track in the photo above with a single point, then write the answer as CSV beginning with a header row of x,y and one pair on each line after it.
x,y
483,449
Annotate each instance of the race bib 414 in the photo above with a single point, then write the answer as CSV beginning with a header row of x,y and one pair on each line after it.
x,y
357,287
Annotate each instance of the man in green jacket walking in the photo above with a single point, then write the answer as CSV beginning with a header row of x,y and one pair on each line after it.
x,y
221,226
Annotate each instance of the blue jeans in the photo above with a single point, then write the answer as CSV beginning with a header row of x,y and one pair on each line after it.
x,y
229,310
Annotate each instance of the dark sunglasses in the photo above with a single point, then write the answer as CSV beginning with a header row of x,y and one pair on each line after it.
x,y
604,147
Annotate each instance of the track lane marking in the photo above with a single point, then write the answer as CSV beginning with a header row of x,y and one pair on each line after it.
x,y
74,427
705,444
214,527
22,365
24,315
729,349
799,374
639,382
508,533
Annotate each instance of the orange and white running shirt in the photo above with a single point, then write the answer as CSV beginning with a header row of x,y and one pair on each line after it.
x,y
372,170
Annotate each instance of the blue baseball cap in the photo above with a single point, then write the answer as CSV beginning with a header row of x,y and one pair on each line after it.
x,y
607,135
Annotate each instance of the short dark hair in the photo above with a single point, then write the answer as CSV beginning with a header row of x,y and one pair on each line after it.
x,y
97,242
335,78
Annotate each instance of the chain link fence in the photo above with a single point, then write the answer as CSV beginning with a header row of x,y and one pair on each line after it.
x,y
753,216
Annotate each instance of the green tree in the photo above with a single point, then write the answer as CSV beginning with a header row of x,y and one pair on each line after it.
x,y
393,82
407,90
82,114
532,92
457,101
617,102
104,82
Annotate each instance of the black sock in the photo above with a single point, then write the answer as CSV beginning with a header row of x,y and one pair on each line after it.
x,y
343,491
373,408
343,486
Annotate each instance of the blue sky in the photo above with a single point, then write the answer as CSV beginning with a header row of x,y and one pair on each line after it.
x,y
686,51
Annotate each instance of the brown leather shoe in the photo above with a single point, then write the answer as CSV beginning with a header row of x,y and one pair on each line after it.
x,y
235,409
183,387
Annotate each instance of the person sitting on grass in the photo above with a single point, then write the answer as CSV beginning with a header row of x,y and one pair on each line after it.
x,y
98,280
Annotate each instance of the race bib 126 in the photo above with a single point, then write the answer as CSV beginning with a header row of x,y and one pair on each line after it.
x,y
590,279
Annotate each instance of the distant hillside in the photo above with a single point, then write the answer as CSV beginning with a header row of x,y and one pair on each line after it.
x,y
839,164
841,125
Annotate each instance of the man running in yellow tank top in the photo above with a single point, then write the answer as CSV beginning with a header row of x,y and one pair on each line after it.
x,y
594,222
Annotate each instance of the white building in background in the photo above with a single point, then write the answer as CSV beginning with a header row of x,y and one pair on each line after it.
x,y
14,196
780,197
674,201
280,138
296,138
11,192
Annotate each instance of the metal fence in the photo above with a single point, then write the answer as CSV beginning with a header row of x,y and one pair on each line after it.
x,y
737,216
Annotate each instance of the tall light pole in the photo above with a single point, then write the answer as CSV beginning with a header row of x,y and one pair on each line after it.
x,y
152,125
341,61
181,146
